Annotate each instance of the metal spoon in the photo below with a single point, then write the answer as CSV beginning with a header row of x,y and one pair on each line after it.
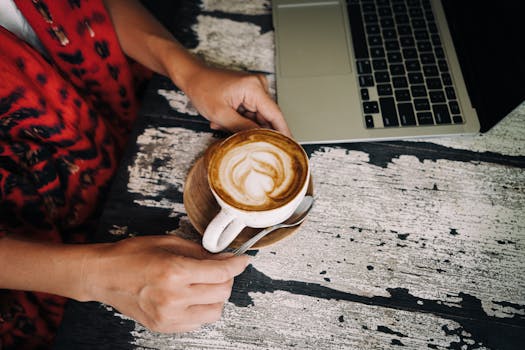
x,y
295,219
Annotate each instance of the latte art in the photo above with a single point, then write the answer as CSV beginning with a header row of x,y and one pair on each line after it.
x,y
258,170
256,174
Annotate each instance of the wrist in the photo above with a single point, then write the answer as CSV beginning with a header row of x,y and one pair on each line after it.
x,y
55,268
180,65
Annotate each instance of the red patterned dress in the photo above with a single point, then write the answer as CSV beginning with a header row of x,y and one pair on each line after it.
x,y
63,124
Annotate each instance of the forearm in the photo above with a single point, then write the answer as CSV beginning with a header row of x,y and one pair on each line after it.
x,y
146,40
45,267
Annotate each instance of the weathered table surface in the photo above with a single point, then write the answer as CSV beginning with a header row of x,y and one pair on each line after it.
x,y
416,243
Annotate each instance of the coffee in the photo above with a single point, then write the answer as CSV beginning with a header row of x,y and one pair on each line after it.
x,y
258,170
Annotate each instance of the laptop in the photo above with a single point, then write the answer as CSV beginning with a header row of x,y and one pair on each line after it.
x,y
361,70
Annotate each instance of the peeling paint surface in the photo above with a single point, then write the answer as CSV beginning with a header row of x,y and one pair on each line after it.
x,y
417,244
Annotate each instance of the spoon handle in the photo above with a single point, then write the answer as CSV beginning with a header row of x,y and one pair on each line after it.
x,y
249,243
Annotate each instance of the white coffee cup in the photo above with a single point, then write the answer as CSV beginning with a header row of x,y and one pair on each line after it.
x,y
258,177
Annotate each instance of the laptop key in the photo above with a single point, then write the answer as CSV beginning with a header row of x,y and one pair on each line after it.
x,y
418,23
384,11
370,17
389,33
397,69
451,94
366,80
392,45
457,119
384,89
441,114
415,78
406,113
402,19
421,35
394,57
410,54
369,121
368,7
407,41
404,30
454,107
399,8
430,71
447,79
399,82
418,90
371,107
432,27
402,95
434,84
415,11
372,29
412,65
382,77
388,111
379,64
443,66
424,46
436,41
436,96
375,40
425,118
377,52
364,67
358,31
387,22
439,52
365,96
427,58
421,104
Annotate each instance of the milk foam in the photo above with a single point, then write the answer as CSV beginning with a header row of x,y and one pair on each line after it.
x,y
256,173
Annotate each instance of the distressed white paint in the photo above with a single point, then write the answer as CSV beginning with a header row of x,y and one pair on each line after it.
x,y
367,207
178,101
233,44
176,149
281,320
246,7
360,210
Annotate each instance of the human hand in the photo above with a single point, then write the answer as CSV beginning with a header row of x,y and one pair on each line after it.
x,y
234,100
166,283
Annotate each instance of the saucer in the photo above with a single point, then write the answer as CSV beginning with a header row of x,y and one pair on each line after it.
x,y
202,207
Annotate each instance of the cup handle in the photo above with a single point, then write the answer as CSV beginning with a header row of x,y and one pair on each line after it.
x,y
221,231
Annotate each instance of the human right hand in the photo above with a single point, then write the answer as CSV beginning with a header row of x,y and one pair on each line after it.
x,y
166,283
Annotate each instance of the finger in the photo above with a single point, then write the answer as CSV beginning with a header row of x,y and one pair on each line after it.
x,y
199,314
215,271
209,293
184,247
215,126
261,121
264,82
268,110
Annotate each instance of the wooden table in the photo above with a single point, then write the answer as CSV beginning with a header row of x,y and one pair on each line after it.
x,y
415,243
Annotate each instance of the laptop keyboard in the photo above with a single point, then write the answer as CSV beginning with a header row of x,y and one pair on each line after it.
x,y
403,73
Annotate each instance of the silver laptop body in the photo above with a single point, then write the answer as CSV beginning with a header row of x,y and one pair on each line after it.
x,y
320,82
